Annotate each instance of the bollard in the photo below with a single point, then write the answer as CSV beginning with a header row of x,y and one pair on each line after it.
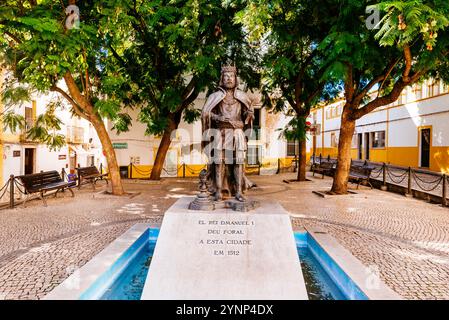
x,y
260,165
184,170
279,166
101,169
384,177
130,171
11,191
444,201
409,186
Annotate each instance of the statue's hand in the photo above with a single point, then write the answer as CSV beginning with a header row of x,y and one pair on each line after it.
x,y
218,118
249,117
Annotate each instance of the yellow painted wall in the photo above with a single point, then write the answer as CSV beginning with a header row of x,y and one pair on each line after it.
x,y
439,159
333,152
403,156
139,171
192,170
377,155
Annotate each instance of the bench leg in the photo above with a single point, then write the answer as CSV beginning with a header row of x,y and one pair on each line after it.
x,y
370,184
79,183
41,195
358,184
56,193
25,201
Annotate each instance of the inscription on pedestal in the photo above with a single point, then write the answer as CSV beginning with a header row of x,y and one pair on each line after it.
x,y
225,255
225,237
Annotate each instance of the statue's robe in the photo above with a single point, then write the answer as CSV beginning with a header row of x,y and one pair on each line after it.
x,y
240,143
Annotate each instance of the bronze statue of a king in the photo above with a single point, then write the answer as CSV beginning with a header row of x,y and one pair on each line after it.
x,y
225,117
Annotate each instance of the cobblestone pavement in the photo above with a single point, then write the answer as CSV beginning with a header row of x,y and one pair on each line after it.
x,y
406,239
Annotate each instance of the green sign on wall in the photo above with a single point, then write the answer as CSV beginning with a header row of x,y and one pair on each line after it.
x,y
120,145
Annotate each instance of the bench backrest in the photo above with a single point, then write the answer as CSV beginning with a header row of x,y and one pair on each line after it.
x,y
361,170
35,181
327,164
87,171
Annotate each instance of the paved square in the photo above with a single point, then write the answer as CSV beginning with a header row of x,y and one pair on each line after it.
x,y
405,240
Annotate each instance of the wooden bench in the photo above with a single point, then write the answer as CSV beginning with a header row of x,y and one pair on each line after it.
x,y
43,182
90,174
360,174
324,167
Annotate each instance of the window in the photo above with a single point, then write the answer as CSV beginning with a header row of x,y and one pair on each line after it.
x,y
292,148
252,156
334,140
403,97
445,88
378,139
418,91
29,121
433,89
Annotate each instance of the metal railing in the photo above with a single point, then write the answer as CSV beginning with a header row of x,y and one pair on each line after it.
x,y
13,191
184,170
411,179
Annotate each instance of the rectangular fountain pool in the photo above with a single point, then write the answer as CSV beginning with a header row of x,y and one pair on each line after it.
x,y
125,278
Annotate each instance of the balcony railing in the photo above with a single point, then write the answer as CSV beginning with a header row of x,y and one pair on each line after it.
x,y
29,123
75,134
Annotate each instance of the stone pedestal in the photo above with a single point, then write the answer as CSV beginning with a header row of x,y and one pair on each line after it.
x,y
224,255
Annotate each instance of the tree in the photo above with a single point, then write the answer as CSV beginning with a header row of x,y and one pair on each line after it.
x,y
411,44
46,52
175,51
44,129
293,68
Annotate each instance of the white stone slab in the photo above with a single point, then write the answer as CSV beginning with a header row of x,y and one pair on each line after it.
x,y
223,255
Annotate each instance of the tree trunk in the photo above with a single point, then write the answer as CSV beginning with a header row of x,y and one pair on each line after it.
x,y
302,161
340,185
162,149
113,169
83,107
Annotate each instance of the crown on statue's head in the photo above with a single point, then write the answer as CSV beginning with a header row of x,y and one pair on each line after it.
x,y
228,68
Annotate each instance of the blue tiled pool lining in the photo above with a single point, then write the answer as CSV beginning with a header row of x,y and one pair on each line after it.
x,y
97,290
121,266
107,271
342,281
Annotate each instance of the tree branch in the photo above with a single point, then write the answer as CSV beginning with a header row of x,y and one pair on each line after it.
x,y
14,37
408,63
375,80
76,108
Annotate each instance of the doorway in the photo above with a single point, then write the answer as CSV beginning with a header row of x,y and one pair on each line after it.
x,y
360,146
367,145
29,160
425,148
72,161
